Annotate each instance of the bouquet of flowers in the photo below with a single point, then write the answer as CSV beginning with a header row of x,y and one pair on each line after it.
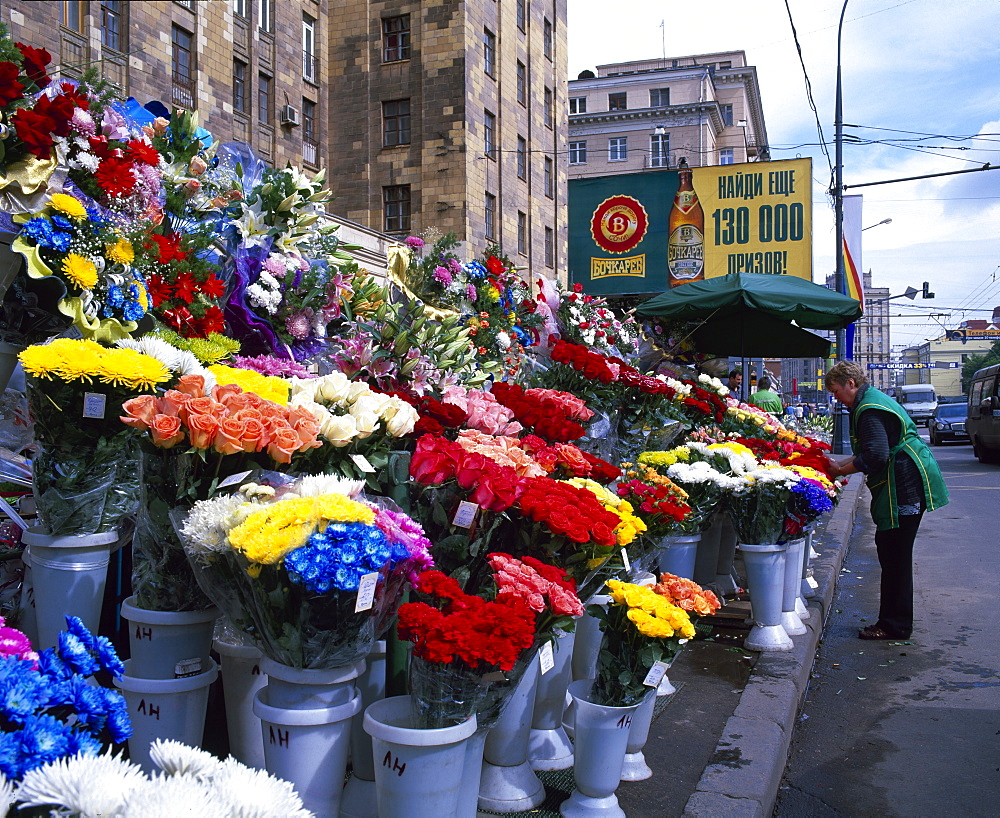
x,y
303,571
552,415
657,500
84,476
641,628
703,484
812,496
760,505
687,595
50,709
589,321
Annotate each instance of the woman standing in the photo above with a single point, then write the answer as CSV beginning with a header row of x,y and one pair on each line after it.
x,y
904,481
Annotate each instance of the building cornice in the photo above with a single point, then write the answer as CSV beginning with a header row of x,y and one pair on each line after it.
x,y
642,115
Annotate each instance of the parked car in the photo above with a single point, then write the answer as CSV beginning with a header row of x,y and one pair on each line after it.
x,y
983,423
948,423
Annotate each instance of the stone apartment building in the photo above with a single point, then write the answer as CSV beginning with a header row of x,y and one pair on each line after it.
x,y
649,113
445,115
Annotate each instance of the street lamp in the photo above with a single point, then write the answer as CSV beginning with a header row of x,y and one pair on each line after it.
x,y
840,416
869,227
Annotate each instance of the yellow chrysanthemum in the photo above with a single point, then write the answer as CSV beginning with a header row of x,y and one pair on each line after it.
x,y
127,367
81,271
68,205
78,360
266,386
120,252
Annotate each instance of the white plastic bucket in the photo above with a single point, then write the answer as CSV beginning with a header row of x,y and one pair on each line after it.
x,y
165,644
308,689
241,679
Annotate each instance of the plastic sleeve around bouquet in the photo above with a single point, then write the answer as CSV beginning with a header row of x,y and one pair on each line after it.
x,y
86,490
755,518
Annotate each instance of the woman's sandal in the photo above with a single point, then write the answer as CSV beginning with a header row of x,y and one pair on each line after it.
x,y
878,632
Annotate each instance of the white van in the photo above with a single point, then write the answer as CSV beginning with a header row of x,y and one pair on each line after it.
x,y
919,400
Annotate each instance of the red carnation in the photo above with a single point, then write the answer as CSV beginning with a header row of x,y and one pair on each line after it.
x,y
10,88
494,265
35,60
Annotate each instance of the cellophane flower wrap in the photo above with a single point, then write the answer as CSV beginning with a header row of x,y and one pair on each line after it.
x,y
811,497
85,475
639,628
193,440
286,567
761,504
49,707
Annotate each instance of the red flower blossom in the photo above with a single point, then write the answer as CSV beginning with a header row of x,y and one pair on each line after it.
x,y
494,265
168,247
114,176
35,131
139,151
71,93
159,290
10,88
213,287
185,287
213,320
35,60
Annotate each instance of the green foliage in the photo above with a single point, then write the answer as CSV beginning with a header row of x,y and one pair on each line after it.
x,y
976,362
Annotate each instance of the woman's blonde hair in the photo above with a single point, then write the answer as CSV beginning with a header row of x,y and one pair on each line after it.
x,y
842,371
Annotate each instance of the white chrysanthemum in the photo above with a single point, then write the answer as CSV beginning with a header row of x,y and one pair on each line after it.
x,y
6,794
175,758
255,793
166,354
204,529
174,796
84,785
315,485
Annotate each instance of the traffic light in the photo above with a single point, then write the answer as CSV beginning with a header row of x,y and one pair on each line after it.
x,y
926,292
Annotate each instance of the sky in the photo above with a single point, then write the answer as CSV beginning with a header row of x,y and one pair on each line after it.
x,y
923,71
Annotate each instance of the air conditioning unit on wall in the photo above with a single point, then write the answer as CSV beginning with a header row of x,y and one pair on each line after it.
x,y
289,115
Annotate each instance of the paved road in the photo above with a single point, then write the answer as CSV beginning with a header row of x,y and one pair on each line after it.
x,y
911,729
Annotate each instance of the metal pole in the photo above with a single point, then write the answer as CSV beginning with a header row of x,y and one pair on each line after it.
x,y
840,418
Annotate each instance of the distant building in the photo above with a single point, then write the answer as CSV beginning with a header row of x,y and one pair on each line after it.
x,y
945,355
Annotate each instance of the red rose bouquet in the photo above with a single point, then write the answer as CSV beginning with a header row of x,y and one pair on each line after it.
x,y
550,414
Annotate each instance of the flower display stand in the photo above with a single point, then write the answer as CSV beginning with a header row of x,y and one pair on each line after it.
x,y
358,800
418,772
241,679
68,575
308,747
724,581
601,736
163,644
165,708
707,557
508,783
677,555
586,646
790,619
549,748
634,767
304,688
765,566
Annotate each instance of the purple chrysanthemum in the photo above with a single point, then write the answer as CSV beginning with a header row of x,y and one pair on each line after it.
x,y
442,276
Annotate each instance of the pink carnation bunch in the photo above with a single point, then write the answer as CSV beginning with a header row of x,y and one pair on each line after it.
x,y
543,587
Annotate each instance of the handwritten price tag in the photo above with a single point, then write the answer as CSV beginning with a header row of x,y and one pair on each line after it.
x,y
94,404
656,674
465,514
366,592
546,660
362,463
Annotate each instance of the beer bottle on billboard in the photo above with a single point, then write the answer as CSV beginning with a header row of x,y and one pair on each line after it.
x,y
686,233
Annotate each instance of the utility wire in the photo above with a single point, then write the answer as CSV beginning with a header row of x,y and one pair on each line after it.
x,y
809,95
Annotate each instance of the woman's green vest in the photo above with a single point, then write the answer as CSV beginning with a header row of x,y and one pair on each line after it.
x,y
882,484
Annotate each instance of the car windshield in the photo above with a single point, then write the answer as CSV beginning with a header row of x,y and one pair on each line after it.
x,y
918,397
951,410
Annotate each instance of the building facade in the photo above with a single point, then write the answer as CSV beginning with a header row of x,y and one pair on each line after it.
x,y
443,115
650,113
942,358
871,335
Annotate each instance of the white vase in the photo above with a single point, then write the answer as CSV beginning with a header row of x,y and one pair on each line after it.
x,y
241,679
707,558
549,748
308,747
809,585
358,800
418,772
765,566
790,619
163,644
601,736
508,783
27,619
677,555
68,576
472,776
634,767
724,581
307,688
165,708
586,647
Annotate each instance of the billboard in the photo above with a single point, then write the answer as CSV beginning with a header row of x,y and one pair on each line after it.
x,y
644,232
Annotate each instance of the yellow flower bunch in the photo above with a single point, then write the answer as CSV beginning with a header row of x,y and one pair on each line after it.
x,y
652,614
680,454
81,271
68,205
811,474
733,446
268,534
630,526
120,252
76,360
267,386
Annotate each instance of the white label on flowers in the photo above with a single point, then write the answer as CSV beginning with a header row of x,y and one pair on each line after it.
x,y
233,479
625,560
546,661
93,404
366,592
465,515
656,673
362,463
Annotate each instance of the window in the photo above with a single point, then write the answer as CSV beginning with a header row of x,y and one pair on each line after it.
x,y
550,247
727,114
522,158
310,136
659,97
578,153
618,149
309,68
659,149
395,122
264,15
547,38
111,24
726,156
547,113
618,101
522,14
240,7
239,86
182,66
522,233
578,105
396,208
549,177
489,52
491,216
264,94
396,38
522,84
489,135
72,14
725,66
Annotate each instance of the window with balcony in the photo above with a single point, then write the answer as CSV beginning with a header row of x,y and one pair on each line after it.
x,y
547,38
726,156
396,38
659,150
522,233
182,67
310,69
489,52
310,134
395,122
489,135
618,101
265,99
549,177
240,86
522,84
264,21
578,105
550,247
659,97
547,113
618,149
491,216
522,158
396,208
578,152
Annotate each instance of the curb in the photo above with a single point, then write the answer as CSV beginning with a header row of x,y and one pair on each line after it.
x,y
743,776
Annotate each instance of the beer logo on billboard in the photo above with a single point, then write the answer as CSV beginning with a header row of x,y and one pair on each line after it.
x,y
619,224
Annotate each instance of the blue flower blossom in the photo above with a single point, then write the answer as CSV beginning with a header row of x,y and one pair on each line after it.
x,y
116,298
11,757
60,221
38,230
133,311
474,270
60,241
44,738
107,656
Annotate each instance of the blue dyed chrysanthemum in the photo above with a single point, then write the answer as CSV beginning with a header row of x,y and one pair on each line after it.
x,y
38,230
60,241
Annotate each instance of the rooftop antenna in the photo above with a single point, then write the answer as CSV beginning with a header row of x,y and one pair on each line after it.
x,y
663,34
